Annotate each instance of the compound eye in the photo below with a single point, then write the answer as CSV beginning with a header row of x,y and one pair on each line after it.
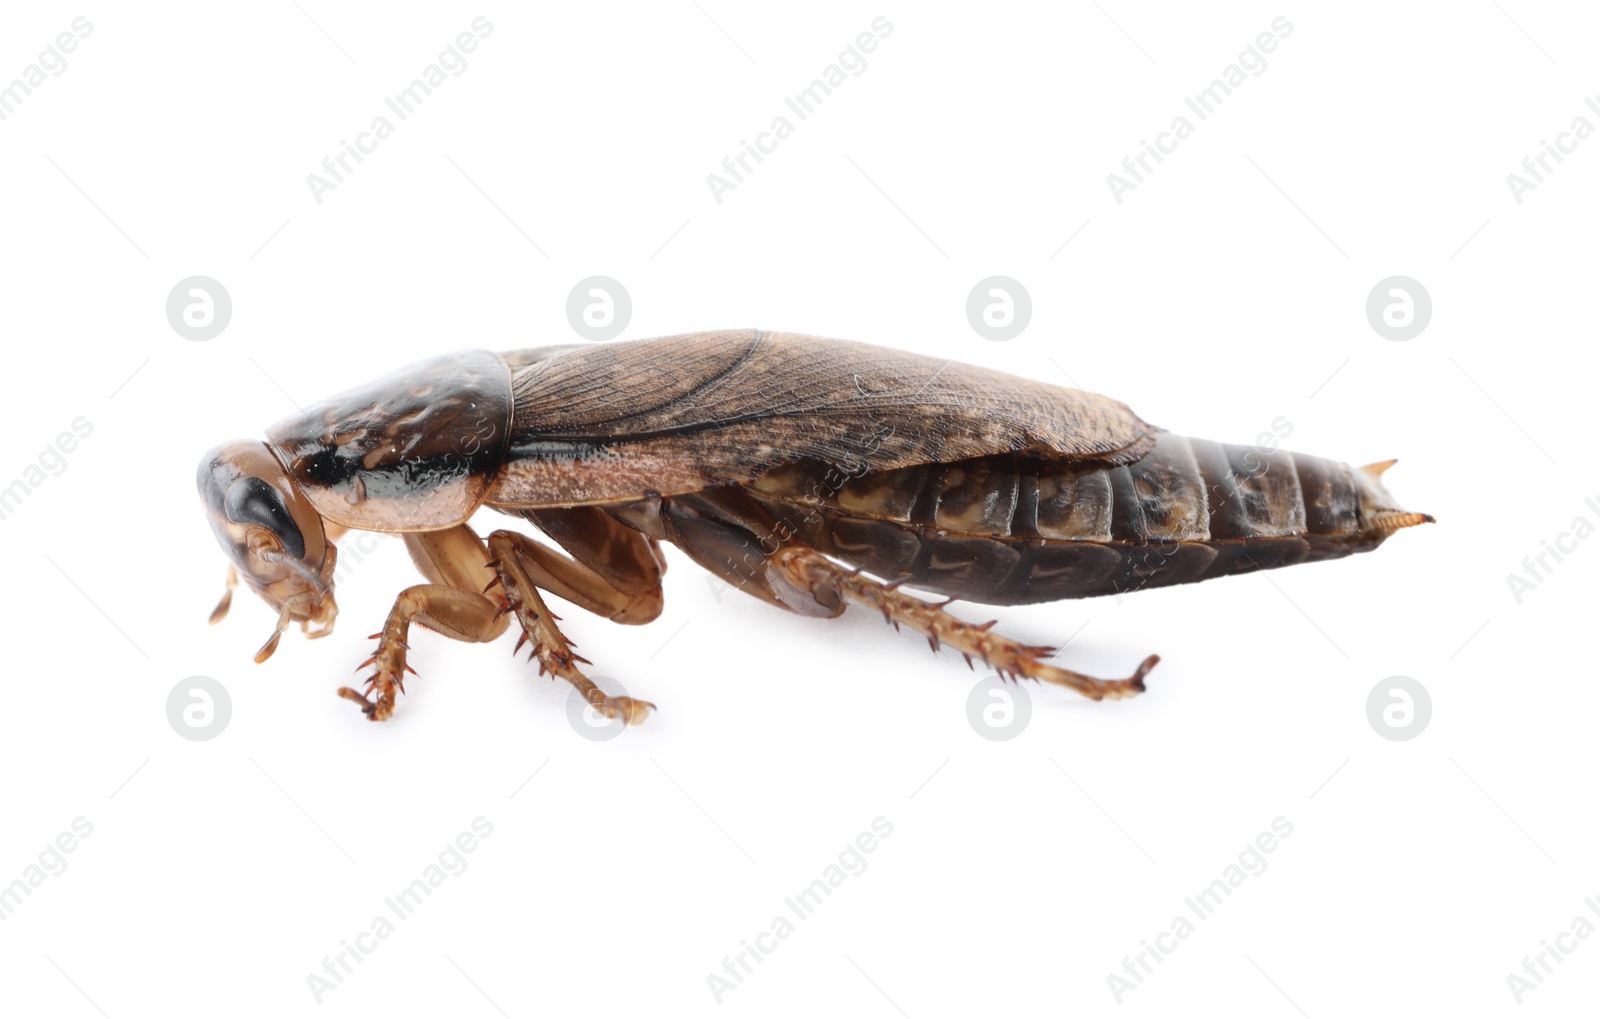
x,y
254,501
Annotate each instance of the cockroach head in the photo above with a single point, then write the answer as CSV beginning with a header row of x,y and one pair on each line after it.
x,y
267,527
1381,514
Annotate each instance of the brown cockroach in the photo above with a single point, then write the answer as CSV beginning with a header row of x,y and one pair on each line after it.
x,y
795,468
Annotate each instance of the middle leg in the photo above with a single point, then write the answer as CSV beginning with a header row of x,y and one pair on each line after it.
x,y
517,559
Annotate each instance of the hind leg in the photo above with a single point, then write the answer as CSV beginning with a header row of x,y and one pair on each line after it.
x,y
823,579
735,542
739,544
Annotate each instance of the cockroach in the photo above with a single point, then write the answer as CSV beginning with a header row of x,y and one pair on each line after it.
x,y
809,473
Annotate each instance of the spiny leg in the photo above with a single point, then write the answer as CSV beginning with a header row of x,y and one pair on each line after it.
x,y
812,572
614,570
580,584
456,604
507,550
458,566
465,615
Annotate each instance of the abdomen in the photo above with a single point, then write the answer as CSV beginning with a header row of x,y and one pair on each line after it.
x,y
1010,530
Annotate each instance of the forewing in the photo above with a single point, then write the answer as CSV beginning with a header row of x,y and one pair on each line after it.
x,y
678,414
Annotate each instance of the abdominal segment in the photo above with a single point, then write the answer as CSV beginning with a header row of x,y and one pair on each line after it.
x,y
1013,530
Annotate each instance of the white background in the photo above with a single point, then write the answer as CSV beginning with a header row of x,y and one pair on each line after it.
x,y
1225,292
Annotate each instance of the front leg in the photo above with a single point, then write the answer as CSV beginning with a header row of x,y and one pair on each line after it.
x,y
464,615
550,646
454,604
